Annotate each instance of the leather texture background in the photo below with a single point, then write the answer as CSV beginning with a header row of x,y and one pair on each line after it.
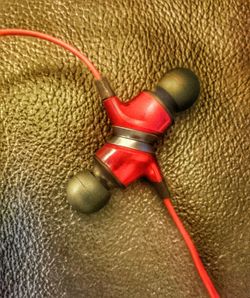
x,y
52,121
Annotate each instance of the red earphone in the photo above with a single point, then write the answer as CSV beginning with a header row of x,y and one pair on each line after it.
x,y
129,154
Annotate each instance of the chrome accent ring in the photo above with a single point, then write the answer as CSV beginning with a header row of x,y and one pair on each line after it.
x,y
134,134
132,144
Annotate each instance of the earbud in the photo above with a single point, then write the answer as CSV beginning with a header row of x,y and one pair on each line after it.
x,y
179,89
129,154
86,193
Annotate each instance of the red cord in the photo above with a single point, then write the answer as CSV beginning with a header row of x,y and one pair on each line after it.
x,y
193,251
82,57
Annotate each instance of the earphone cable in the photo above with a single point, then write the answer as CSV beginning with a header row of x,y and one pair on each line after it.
x,y
192,249
74,51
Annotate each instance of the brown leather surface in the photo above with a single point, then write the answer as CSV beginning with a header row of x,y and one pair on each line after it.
x,y
52,121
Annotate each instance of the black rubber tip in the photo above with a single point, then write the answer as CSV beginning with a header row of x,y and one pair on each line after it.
x,y
181,88
86,193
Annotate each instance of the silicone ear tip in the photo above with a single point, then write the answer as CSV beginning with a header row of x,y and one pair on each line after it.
x,y
86,193
183,87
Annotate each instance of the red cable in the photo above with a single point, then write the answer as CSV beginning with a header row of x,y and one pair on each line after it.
x,y
193,251
82,57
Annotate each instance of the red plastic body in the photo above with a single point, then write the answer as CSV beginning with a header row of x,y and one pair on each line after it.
x,y
144,113
128,165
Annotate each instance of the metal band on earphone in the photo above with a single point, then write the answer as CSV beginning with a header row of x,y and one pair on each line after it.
x,y
133,139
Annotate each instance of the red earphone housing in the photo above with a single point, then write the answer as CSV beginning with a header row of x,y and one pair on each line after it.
x,y
143,113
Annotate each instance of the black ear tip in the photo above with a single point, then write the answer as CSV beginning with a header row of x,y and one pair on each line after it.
x,y
86,193
182,85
